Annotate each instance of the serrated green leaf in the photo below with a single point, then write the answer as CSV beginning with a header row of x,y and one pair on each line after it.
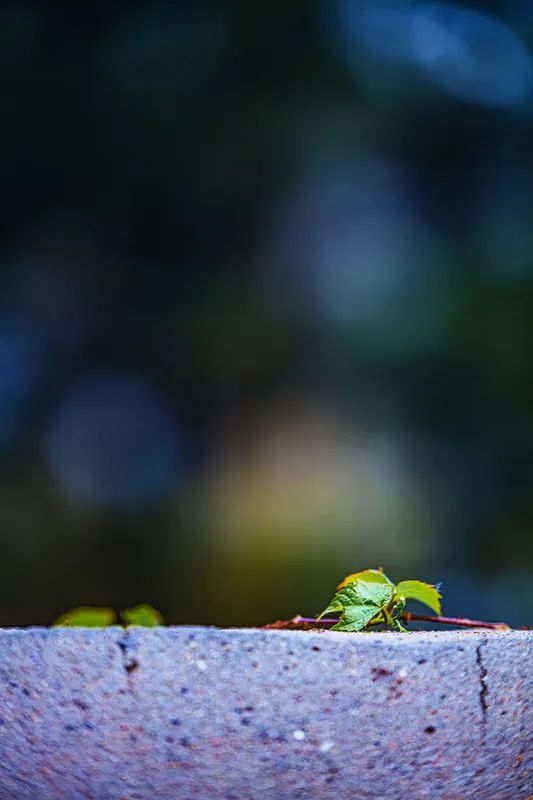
x,y
361,592
333,608
143,615
87,617
359,602
367,575
369,598
355,618
425,593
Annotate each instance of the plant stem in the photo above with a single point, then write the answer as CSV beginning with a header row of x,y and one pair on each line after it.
x,y
305,623
463,622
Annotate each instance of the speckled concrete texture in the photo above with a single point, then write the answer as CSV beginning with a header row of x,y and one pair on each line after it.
x,y
172,713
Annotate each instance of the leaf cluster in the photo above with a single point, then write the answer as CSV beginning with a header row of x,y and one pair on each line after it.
x,y
97,617
370,598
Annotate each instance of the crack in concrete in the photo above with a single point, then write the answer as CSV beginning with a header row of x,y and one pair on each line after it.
x,y
483,683
129,663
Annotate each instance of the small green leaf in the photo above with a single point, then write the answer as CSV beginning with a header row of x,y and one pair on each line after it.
x,y
359,602
367,575
143,615
425,593
370,598
87,617
355,618
361,592
333,608
396,625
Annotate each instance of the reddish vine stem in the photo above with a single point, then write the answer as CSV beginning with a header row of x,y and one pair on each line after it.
x,y
307,623
464,622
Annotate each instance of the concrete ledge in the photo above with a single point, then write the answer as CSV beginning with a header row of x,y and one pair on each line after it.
x,y
190,712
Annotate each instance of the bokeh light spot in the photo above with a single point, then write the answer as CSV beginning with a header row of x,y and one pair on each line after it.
x,y
112,442
466,52
21,362
472,55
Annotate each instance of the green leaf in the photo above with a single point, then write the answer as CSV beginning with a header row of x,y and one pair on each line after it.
x,y
355,618
333,608
87,617
361,592
425,593
396,625
367,575
143,615
359,602
369,597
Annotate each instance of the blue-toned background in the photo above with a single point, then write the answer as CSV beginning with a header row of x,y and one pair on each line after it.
x,y
266,304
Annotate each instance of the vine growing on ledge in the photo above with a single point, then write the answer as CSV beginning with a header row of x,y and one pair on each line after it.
x,y
363,599
369,598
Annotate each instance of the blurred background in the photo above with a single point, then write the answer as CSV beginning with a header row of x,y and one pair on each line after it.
x,y
266,304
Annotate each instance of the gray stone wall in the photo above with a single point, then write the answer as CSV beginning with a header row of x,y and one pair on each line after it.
x,y
191,712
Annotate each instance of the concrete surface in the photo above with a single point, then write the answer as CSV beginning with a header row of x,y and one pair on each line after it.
x,y
171,713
